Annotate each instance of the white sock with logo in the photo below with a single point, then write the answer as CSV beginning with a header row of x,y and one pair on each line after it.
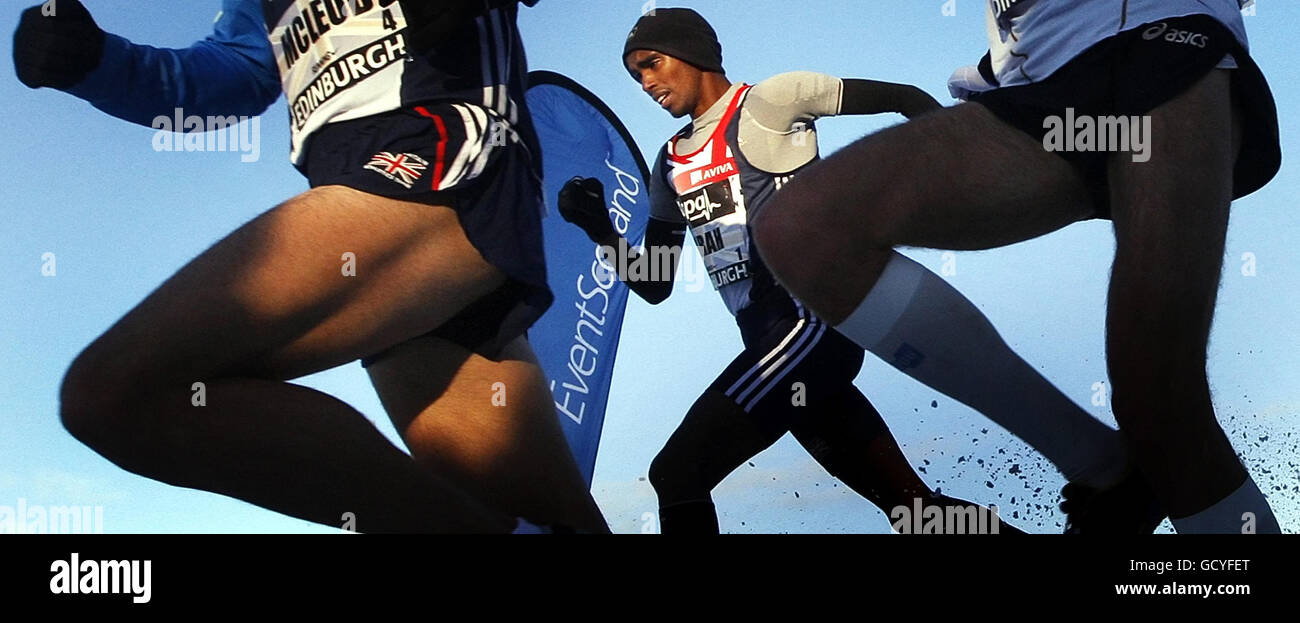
x,y
917,322
1244,511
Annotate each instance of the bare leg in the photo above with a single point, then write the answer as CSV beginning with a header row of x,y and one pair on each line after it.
x,y
960,179
501,443
1171,218
957,178
267,303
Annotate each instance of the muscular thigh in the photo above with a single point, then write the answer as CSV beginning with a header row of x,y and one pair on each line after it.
x,y
1187,182
958,178
325,278
447,400
487,423
1171,220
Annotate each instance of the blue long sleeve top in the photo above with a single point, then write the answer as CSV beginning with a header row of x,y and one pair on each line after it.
x,y
231,72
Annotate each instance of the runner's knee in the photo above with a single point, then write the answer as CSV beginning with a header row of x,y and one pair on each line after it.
x,y
1145,412
100,402
90,398
674,477
814,224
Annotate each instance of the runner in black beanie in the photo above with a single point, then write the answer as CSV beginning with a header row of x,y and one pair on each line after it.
x,y
681,33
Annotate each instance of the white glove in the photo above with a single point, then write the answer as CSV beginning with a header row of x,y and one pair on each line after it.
x,y
967,80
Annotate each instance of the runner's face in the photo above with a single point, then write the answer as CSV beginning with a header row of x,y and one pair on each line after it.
x,y
671,82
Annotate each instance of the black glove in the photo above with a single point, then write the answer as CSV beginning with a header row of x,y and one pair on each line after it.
x,y
582,202
57,44
430,23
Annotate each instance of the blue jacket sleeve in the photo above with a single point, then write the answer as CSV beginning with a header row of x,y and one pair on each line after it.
x,y
231,72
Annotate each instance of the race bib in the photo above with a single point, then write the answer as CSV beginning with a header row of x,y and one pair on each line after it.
x,y
716,213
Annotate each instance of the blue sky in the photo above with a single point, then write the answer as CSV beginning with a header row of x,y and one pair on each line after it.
x,y
120,217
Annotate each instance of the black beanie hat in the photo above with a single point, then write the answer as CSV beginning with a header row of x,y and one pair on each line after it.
x,y
680,33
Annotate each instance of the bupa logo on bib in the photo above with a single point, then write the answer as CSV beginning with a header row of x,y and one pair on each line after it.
x,y
709,203
1174,35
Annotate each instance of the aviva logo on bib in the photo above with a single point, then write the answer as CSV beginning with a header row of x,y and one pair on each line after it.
x,y
706,176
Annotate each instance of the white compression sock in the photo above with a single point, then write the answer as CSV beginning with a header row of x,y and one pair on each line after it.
x,y
915,321
1229,515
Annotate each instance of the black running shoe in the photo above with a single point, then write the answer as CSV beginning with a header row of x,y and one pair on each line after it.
x,y
1129,507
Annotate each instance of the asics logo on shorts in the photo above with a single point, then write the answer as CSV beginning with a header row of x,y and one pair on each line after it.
x,y
1174,35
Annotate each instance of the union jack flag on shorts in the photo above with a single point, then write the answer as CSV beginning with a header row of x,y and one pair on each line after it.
x,y
404,169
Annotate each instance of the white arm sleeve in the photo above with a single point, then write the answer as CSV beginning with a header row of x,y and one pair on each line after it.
x,y
776,130
780,101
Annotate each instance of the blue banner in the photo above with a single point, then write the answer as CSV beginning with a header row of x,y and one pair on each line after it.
x,y
578,337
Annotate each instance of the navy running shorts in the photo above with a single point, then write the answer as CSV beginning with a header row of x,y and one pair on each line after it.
x,y
786,344
456,155
1132,74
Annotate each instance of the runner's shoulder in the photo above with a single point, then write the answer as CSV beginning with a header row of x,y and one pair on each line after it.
x,y
684,133
792,86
